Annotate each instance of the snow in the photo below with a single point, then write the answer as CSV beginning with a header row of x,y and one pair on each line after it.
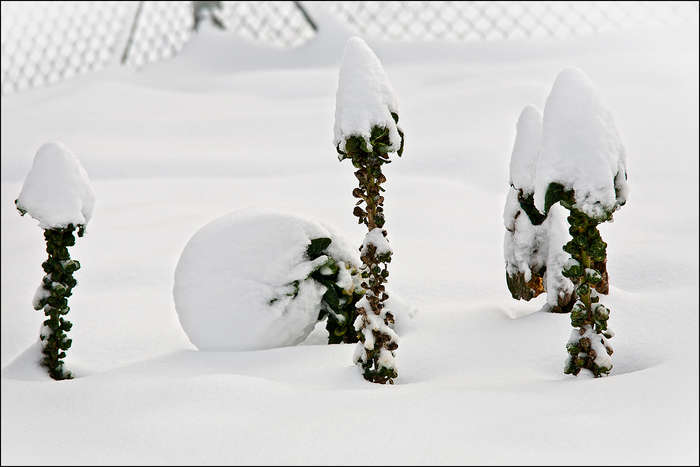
x,y
57,191
234,281
556,284
378,238
528,247
526,149
194,138
365,97
525,246
581,147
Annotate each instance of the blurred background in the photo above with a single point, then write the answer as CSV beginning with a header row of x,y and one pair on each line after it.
x,y
44,42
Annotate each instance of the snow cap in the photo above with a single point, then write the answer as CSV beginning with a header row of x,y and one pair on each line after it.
x,y
581,147
526,149
365,97
57,191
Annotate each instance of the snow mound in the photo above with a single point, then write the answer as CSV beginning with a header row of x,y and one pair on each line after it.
x,y
242,280
57,191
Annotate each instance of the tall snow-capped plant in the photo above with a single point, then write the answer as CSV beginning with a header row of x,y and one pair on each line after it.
x,y
366,132
582,166
57,193
532,249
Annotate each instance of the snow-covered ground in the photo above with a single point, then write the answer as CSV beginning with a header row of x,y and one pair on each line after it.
x,y
227,125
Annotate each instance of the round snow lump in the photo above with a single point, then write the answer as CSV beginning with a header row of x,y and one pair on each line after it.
x,y
235,280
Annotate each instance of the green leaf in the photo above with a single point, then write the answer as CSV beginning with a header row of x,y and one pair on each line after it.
x,y
317,246
557,193
572,348
527,204
571,248
581,240
583,289
331,297
593,276
352,144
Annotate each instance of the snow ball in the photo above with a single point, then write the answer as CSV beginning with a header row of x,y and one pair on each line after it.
x,y
57,191
365,97
235,286
526,149
581,147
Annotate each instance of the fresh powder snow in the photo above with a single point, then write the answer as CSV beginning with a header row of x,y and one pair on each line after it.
x,y
57,191
525,245
227,124
581,147
242,281
526,149
376,237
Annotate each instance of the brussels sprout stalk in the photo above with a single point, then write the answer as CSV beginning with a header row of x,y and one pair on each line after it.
x,y
375,352
588,345
52,297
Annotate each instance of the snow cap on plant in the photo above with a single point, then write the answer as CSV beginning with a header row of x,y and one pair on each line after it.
x,y
526,149
365,99
581,149
532,247
57,191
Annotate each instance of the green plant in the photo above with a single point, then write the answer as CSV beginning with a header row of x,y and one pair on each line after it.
x,y
57,193
376,356
52,296
342,293
532,234
588,345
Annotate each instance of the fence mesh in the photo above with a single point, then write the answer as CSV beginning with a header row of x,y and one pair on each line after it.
x,y
44,42
507,20
159,30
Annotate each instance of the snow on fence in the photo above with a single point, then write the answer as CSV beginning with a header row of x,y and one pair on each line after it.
x,y
44,42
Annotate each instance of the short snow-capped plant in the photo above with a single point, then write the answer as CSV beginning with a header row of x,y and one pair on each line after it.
x,y
57,193
582,166
532,249
366,131
262,277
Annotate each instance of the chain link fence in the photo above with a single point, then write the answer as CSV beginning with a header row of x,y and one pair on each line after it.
x,y
161,29
466,21
44,42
